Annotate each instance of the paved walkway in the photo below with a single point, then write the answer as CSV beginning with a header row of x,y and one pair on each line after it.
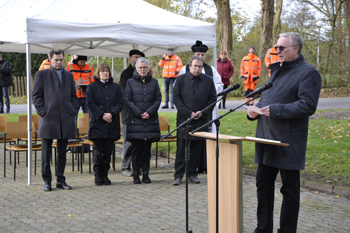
x,y
126,207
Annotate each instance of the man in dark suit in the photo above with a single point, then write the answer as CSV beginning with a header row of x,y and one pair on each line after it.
x,y
193,92
285,108
55,99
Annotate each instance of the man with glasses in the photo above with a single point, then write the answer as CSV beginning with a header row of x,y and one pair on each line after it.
x,y
285,108
127,74
250,72
199,49
193,92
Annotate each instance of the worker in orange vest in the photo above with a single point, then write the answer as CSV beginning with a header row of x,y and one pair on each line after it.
x,y
172,65
271,57
46,63
83,75
250,72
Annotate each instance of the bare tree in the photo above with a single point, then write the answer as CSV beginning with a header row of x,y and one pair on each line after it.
x,y
267,13
224,24
277,21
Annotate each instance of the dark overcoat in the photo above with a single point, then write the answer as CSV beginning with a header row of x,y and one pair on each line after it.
x,y
5,73
292,99
142,94
104,98
192,94
124,77
55,102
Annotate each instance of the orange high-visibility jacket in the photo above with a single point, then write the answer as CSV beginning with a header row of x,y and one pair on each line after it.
x,y
251,66
45,64
170,65
86,73
271,57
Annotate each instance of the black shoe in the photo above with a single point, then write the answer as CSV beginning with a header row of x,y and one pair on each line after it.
x,y
47,187
136,177
63,185
172,106
165,106
146,179
106,181
2,111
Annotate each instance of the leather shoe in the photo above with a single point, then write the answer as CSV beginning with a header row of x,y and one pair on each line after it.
x,y
194,180
177,181
47,187
63,185
165,106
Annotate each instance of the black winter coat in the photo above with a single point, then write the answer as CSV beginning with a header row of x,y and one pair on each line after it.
x,y
55,103
292,99
5,73
124,77
143,97
104,98
192,94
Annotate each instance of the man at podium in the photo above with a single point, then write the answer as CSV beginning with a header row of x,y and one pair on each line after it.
x,y
193,92
285,108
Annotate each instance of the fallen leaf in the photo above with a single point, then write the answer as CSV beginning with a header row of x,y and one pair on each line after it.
x,y
317,192
69,215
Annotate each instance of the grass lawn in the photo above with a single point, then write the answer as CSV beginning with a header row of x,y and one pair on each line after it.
x,y
327,156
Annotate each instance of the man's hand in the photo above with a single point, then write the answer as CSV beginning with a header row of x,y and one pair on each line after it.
x,y
252,114
195,113
107,117
145,116
266,110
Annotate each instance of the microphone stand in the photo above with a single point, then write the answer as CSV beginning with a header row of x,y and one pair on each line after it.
x,y
187,144
217,123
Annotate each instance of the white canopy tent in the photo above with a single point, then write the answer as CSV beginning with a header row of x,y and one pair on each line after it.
x,y
95,28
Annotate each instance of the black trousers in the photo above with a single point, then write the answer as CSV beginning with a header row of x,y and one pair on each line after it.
x,y
46,154
141,155
265,183
224,98
103,149
197,147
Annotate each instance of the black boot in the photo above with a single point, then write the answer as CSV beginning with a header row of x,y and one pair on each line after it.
x,y
98,175
136,177
106,181
145,178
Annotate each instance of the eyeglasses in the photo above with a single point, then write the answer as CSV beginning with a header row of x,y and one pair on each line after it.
x,y
142,68
199,54
281,48
104,71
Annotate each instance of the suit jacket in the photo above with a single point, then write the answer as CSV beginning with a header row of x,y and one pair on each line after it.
x,y
55,102
192,94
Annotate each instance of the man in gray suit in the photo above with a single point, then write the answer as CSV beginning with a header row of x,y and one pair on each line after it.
x,y
285,108
55,99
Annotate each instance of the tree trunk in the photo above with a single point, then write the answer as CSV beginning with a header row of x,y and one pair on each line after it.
x,y
224,25
267,13
277,21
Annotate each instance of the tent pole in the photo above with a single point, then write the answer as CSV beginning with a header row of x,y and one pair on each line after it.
x,y
124,62
112,66
29,112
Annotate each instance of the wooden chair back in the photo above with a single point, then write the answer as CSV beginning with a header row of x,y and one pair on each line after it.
x,y
3,120
35,120
164,123
86,115
83,125
18,130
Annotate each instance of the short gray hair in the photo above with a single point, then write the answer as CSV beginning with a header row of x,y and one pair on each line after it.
x,y
143,59
295,40
195,58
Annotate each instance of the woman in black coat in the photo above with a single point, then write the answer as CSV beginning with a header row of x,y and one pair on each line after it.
x,y
105,102
143,98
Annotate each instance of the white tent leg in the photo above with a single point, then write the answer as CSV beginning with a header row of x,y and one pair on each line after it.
x,y
214,57
29,112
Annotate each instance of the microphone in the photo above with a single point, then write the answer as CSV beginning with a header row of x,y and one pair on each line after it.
x,y
224,92
259,90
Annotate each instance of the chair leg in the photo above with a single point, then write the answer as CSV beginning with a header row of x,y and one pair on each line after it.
x,y
168,151
113,158
89,161
14,167
72,161
156,154
4,161
35,163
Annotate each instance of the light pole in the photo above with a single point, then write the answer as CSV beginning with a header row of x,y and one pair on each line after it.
x,y
319,24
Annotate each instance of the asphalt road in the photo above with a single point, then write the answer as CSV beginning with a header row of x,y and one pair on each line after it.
x,y
324,103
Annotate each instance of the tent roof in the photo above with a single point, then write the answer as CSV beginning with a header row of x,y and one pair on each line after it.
x,y
97,28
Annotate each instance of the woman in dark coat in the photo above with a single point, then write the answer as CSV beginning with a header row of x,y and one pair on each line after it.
x,y
142,97
105,102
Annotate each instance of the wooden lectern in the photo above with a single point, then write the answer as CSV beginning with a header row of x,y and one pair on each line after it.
x,y
230,180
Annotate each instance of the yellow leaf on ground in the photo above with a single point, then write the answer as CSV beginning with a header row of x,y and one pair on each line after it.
x,y
69,215
317,192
